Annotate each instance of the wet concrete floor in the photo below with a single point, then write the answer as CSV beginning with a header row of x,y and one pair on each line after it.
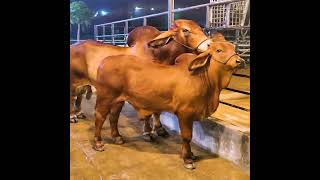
x,y
137,159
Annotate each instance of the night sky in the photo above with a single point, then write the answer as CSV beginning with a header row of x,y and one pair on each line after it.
x,y
124,9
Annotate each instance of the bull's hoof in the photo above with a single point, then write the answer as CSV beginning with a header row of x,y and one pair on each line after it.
x,y
193,157
189,164
98,146
148,137
73,119
81,115
118,140
162,132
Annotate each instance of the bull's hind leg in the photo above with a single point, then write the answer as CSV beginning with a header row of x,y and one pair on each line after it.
x,y
102,110
81,91
79,113
160,130
147,134
113,118
73,117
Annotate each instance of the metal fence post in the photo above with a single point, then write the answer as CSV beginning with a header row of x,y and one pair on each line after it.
x,y
227,20
208,17
95,32
103,32
170,13
145,21
112,33
126,28
245,11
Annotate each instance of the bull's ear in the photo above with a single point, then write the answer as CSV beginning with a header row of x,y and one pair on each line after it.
x,y
218,37
200,61
162,39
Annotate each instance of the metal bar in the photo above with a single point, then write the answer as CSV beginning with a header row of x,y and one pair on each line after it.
x,y
103,32
208,17
126,27
112,33
230,28
132,19
227,20
207,4
170,13
245,11
95,31
235,106
241,75
173,11
145,21
239,91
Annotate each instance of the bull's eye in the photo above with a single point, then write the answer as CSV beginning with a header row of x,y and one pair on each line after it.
x,y
185,30
219,50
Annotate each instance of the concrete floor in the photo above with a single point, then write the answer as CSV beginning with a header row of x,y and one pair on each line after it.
x,y
136,159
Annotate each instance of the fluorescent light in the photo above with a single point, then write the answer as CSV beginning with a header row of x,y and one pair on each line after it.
x,y
103,13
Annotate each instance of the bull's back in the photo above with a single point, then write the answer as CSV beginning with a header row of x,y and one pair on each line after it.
x,y
89,54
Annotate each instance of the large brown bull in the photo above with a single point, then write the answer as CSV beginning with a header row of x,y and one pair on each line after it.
x,y
147,43
190,89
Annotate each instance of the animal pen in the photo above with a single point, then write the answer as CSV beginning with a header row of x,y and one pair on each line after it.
x,y
232,18
229,134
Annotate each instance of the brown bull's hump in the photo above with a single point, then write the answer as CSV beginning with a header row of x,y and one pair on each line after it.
x,y
142,33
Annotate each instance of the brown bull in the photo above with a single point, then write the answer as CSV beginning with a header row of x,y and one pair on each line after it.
x,y
147,43
190,89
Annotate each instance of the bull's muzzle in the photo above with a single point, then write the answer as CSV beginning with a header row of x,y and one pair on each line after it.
x,y
241,62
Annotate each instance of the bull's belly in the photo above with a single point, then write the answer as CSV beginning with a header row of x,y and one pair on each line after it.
x,y
152,104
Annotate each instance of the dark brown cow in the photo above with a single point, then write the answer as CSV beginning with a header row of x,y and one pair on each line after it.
x,y
147,43
190,89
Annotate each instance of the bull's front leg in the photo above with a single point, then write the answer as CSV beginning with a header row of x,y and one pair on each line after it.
x,y
186,124
159,129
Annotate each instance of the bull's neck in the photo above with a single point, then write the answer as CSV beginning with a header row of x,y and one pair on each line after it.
x,y
217,77
168,53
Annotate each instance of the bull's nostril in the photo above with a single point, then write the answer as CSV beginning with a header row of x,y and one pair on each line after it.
x,y
238,61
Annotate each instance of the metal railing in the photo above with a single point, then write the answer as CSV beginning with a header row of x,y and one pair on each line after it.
x,y
72,41
232,16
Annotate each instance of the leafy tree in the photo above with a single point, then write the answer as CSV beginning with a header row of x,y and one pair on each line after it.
x,y
80,14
